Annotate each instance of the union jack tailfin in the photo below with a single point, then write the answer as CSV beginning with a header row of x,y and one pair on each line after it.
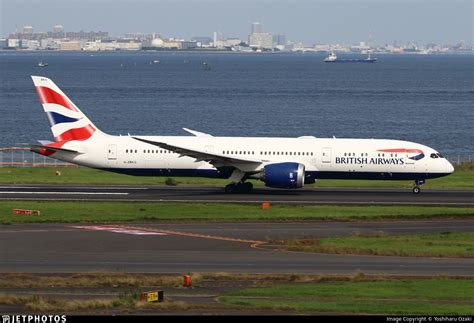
x,y
67,121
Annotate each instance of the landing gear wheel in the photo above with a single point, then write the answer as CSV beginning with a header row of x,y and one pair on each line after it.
x,y
239,188
416,190
246,187
231,188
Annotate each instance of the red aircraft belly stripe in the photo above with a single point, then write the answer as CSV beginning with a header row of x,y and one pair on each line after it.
x,y
47,95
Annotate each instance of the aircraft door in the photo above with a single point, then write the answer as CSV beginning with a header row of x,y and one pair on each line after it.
x,y
326,155
112,152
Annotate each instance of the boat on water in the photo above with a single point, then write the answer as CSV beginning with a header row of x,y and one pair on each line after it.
x,y
42,64
332,58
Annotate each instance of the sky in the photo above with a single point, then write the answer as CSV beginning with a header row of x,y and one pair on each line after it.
x,y
306,21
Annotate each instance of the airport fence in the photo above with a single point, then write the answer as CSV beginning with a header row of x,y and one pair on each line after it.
x,y
23,157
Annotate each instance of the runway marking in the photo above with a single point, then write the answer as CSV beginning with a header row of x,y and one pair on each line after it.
x,y
455,204
77,187
118,229
66,193
195,235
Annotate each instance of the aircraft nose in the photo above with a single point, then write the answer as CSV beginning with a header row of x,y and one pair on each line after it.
x,y
449,167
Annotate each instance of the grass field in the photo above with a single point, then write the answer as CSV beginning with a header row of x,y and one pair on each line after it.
x,y
446,244
52,211
119,293
410,297
137,211
462,178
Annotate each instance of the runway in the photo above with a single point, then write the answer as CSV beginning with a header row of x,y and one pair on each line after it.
x,y
214,247
352,196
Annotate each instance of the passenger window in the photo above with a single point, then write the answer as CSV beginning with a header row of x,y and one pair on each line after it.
x,y
433,155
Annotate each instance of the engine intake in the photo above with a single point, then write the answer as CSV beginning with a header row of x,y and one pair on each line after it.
x,y
284,175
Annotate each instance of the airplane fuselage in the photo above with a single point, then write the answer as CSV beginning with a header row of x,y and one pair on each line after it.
x,y
279,162
323,158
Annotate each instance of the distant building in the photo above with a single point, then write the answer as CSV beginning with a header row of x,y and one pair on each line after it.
x,y
279,40
261,40
157,43
112,45
13,43
179,44
230,42
202,40
50,43
256,28
3,43
70,45
27,29
172,44
87,35
58,32
188,44
58,29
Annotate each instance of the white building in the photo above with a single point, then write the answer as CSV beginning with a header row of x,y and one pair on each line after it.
x,y
70,45
29,44
261,40
50,43
13,43
28,30
100,45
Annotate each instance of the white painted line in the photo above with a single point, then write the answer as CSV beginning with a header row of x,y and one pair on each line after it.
x,y
118,229
66,193
76,187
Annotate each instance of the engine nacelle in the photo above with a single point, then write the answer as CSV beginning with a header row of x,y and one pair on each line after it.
x,y
284,175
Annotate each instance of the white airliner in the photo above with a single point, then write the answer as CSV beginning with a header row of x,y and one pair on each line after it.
x,y
286,163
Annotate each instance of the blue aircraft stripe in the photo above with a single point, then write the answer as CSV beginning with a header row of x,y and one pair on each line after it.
x,y
417,157
55,118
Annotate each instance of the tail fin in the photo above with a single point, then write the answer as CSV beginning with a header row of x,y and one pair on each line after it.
x,y
67,121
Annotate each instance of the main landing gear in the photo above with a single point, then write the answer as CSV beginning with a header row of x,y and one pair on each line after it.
x,y
242,187
416,188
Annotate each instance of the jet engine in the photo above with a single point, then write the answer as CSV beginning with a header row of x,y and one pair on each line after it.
x,y
284,175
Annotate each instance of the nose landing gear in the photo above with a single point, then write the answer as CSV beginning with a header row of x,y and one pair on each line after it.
x,y
416,188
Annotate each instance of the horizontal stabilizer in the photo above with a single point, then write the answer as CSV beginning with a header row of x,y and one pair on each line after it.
x,y
45,142
38,148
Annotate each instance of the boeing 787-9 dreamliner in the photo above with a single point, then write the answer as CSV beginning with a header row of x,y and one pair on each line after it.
x,y
286,163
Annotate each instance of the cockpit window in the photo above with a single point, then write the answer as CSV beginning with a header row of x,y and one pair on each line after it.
x,y
439,155
433,155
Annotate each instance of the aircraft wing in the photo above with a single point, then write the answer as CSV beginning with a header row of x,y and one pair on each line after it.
x,y
197,133
212,158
